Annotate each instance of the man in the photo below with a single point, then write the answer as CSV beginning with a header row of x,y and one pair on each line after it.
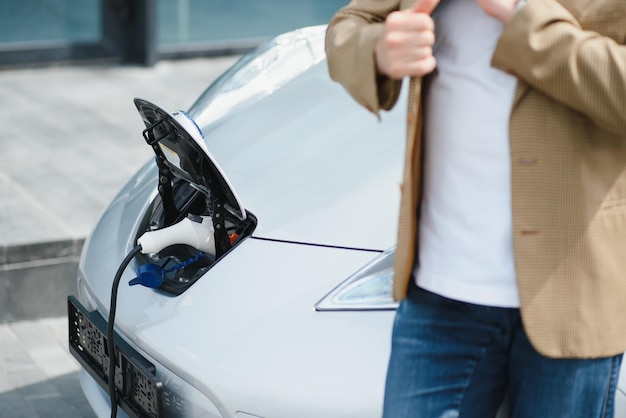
x,y
511,255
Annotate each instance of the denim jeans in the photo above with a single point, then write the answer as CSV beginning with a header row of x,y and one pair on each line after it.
x,y
454,359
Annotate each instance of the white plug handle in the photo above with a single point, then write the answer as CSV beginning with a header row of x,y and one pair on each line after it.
x,y
199,235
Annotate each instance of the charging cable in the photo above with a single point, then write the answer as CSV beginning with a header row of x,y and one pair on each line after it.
x,y
196,231
110,334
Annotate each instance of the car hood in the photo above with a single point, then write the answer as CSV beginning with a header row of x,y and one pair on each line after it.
x,y
312,165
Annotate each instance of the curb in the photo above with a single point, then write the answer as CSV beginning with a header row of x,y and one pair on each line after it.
x,y
35,279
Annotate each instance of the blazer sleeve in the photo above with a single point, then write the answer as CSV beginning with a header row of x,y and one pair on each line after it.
x,y
350,39
547,47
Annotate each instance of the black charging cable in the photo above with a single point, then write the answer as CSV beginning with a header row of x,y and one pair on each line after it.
x,y
110,333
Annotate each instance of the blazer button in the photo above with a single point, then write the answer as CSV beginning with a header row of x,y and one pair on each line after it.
x,y
527,161
530,232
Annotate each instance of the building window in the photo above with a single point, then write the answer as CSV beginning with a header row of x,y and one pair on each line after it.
x,y
143,31
46,21
191,21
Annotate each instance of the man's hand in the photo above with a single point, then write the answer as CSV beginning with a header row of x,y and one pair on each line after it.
x,y
503,10
405,46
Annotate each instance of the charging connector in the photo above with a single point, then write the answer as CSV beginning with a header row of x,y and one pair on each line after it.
x,y
195,231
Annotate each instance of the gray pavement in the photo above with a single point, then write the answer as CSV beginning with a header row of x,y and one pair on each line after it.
x,y
70,137
38,376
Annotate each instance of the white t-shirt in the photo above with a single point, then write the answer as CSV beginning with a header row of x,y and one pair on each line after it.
x,y
465,249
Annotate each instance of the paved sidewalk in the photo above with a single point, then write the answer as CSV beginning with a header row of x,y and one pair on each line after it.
x,y
71,136
38,376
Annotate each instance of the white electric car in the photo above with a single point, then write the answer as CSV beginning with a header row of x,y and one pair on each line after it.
x,y
262,281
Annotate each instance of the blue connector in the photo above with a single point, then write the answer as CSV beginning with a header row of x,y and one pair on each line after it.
x,y
153,276
149,275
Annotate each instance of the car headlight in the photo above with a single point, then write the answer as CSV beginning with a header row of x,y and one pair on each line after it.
x,y
370,288
259,73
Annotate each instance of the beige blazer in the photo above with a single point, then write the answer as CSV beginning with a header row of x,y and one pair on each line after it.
x,y
568,160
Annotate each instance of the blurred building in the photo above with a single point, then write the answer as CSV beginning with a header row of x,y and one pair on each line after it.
x,y
144,31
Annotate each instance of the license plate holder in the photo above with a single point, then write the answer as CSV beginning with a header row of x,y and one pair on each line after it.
x,y
140,392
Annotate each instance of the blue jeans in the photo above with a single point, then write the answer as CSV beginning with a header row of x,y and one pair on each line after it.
x,y
454,359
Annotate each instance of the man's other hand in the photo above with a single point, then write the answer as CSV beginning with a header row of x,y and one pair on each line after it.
x,y
502,10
